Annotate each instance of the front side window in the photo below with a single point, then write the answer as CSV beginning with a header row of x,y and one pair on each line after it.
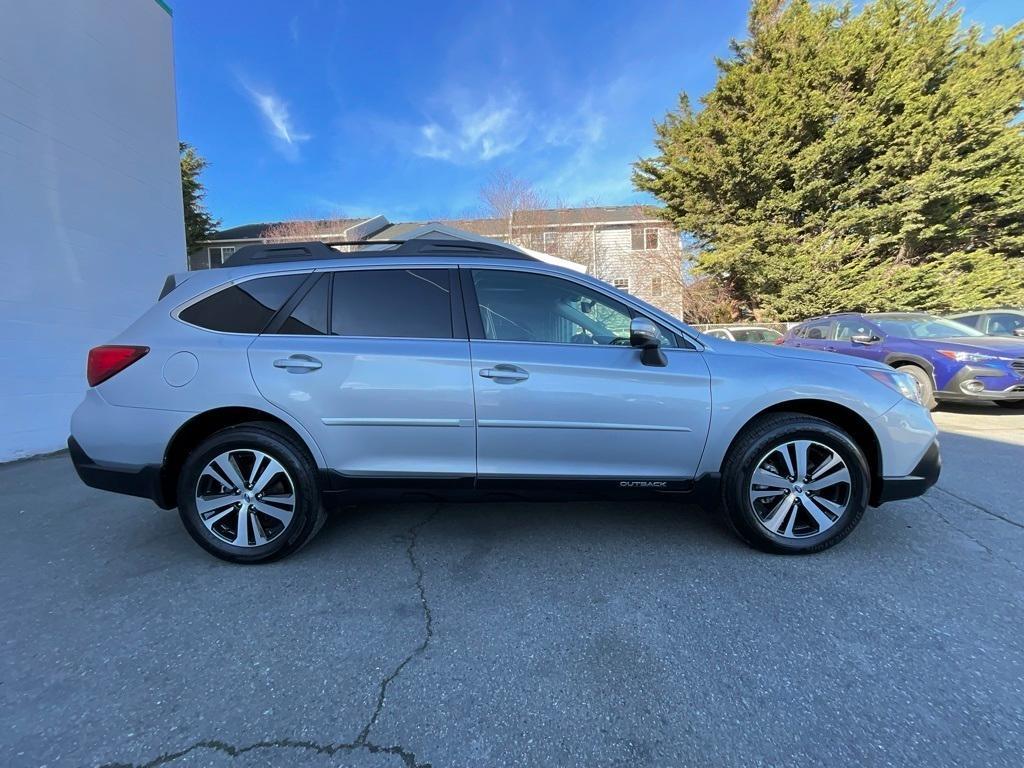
x,y
245,307
521,306
1005,323
397,303
848,328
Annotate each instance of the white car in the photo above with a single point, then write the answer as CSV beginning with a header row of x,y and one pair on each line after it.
x,y
754,334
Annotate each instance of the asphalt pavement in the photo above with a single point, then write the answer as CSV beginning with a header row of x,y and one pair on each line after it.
x,y
520,634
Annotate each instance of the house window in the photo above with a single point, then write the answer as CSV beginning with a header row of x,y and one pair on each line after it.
x,y
645,239
219,254
550,241
622,283
656,286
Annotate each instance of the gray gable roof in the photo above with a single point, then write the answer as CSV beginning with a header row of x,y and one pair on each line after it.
x,y
255,231
488,226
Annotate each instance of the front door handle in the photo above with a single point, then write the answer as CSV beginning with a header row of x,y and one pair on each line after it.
x,y
298,363
831,349
505,372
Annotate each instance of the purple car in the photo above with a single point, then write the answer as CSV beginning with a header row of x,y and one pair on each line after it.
x,y
952,362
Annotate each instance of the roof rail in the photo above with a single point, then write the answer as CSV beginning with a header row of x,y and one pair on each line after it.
x,y
273,253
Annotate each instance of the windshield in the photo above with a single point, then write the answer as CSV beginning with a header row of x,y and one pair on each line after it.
x,y
924,327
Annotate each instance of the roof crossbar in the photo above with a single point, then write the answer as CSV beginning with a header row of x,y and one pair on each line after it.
x,y
272,253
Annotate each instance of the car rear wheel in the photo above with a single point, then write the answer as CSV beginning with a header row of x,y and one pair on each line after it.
x,y
795,484
249,494
924,379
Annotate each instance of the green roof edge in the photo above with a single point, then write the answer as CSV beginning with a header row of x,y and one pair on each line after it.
x,y
165,6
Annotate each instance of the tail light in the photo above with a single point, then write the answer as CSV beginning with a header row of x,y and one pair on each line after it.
x,y
108,360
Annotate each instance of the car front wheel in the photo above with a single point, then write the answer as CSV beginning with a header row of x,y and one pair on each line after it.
x,y
249,494
795,484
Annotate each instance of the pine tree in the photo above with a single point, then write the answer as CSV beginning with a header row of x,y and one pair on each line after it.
x,y
854,161
199,224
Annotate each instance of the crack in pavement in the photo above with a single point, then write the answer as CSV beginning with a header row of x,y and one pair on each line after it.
x,y
978,507
407,757
362,740
969,535
428,626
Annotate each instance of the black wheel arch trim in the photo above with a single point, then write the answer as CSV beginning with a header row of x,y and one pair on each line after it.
x,y
896,359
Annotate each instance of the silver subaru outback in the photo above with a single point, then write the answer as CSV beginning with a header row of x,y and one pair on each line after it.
x,y
256,396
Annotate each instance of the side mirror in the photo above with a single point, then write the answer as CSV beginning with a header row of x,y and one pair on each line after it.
x,y
644,334
864,339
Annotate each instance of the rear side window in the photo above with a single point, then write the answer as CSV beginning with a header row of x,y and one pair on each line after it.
x,y
243,308
309,318
816,330
400,303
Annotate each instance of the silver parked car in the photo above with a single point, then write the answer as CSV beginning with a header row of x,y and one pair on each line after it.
x,y
255,396
752,334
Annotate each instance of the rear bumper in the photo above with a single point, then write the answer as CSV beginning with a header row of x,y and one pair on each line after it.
x,y
141,481
921,478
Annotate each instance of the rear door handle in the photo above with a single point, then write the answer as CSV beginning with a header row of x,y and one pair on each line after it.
x,y
506,372
298,363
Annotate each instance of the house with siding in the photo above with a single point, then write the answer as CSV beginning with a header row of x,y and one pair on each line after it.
x,y
624,245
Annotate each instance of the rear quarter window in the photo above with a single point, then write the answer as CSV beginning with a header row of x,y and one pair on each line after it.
x,y
245,307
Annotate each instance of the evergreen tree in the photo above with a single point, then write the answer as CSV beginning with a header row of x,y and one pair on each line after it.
x,y
854,161
199,224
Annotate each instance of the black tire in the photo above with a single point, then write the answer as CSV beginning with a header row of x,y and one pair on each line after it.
x,y
925,380
1012,404
308,515
754,444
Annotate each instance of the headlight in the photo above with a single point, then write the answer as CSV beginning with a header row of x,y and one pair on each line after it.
x,y
902,382
969,357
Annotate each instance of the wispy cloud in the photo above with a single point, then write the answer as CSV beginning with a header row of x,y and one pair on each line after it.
x,y
287,137
482,128
473,133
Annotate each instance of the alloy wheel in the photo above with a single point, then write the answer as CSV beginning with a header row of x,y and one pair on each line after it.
x,y
245,497
800,488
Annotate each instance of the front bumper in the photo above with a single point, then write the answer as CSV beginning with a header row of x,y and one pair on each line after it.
x,y
141,481
999,384
921,478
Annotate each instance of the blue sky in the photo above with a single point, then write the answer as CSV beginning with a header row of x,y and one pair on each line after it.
x,y
321,108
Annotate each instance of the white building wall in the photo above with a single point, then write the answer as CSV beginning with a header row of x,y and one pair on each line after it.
x,y
90,196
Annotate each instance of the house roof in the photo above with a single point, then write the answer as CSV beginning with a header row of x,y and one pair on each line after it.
x,y
255,231
488,227
588,215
